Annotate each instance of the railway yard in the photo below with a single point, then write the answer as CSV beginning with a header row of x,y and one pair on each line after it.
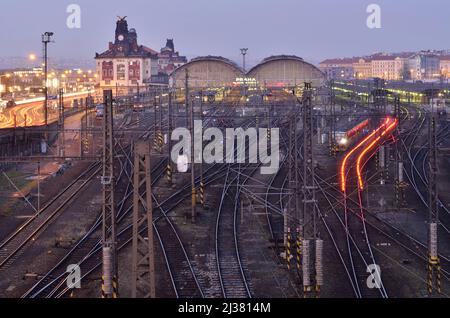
x,y
354,210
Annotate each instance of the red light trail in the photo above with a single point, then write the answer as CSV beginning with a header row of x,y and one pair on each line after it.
x,y
344,161
367,149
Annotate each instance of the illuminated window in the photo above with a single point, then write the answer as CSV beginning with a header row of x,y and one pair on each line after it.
x,y
120,72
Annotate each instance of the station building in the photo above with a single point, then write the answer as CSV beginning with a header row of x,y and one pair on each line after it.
x,y
125,65
274,71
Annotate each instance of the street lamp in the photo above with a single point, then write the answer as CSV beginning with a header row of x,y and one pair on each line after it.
x,y
243,52
46,38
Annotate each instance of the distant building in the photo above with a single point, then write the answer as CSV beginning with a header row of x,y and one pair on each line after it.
x,y
423,66
126,66
444,66
388,67
363,68
169,59
338,68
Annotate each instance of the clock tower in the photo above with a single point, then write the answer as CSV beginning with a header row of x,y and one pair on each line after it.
x,y
126,65
121,30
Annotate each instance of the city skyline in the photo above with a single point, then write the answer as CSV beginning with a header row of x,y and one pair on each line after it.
x,y
260,28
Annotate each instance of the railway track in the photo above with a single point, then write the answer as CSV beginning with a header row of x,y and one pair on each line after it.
x,y
14,245
86,244
405,241
87,251
84,253
233,282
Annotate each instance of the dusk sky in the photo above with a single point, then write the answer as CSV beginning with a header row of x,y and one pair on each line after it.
x,y
313,30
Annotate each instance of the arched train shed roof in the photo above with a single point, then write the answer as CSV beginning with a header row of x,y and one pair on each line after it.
x,y
207,71
279,70
286,70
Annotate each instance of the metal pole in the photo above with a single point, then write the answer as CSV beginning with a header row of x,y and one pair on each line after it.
x,y
292,186
61,143
169,140
160,135
333,120
46,85
433,208
243,52
309,200
39,187
109,241
202,185
143,257
85,138
398,155
46,38
193,190
186,95
14,131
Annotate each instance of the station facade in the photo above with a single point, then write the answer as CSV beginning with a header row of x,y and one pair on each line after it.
x,y
274,71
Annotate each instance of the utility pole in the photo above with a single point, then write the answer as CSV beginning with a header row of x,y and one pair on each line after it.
x,y
38,188
169,140
332,136
292,207
269,121
186,95
155,128
109,240
244,53
398,157
85,139
193,190
143,270
61,139
433,209
160,126
202,184
46,38
292,175
308,160
309,198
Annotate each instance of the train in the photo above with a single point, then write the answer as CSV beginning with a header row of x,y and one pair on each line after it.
x,y
348,138
438,105
7,104
99,110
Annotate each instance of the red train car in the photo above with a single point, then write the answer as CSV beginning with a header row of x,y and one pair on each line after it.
x,y
344,140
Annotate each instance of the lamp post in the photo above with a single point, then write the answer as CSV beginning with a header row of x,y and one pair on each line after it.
x,y
46,38
243,52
